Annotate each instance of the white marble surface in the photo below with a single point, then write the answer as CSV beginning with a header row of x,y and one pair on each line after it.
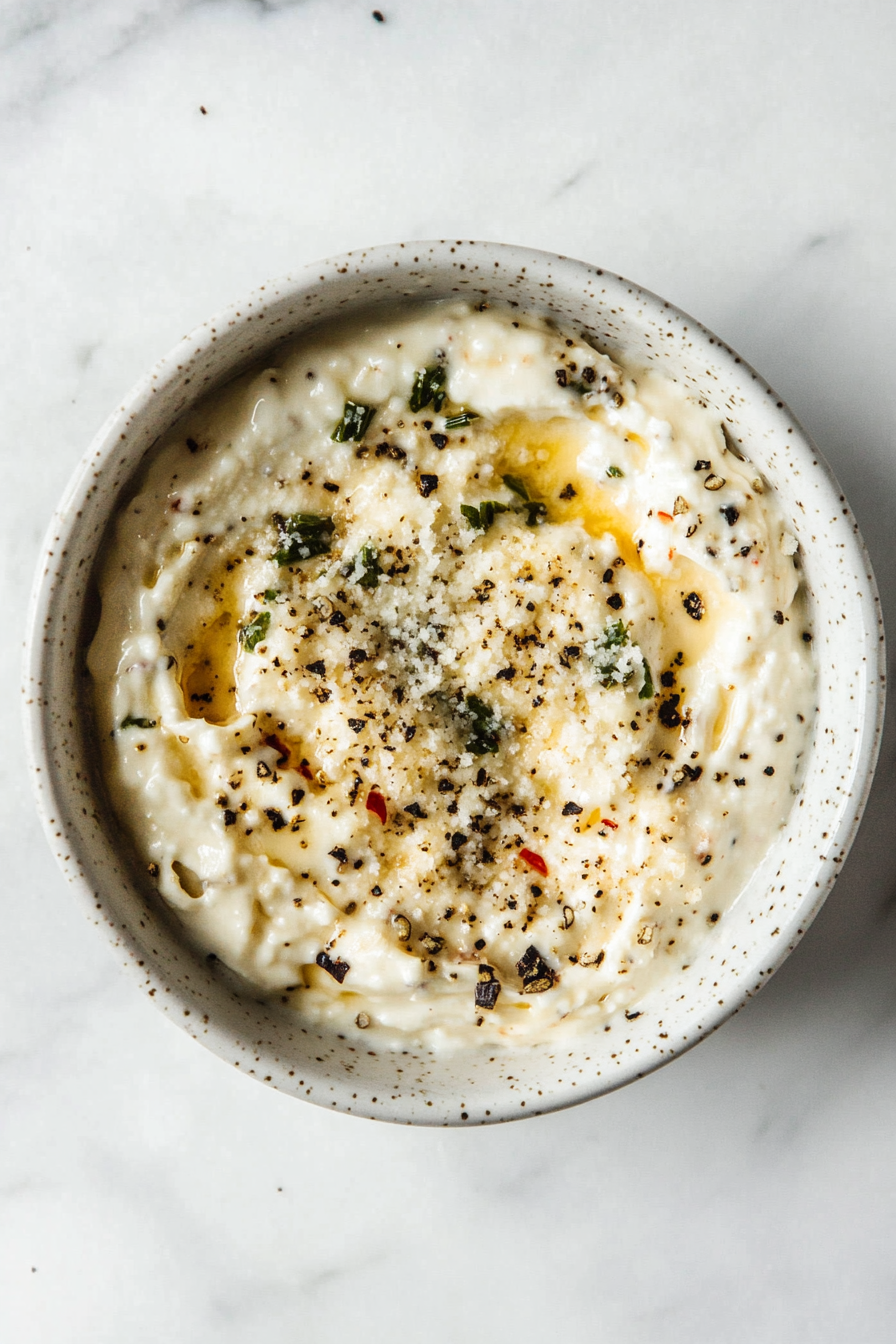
x,y
739,160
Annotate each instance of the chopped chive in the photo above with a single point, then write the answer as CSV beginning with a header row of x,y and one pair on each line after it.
x,y
255,631
535,512
462,419
369,559
271,594
301,536
429,388
615,471
131,721
647,691
516,485
355,422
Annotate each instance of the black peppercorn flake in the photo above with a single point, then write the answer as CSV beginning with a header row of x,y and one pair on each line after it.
x,y
428,483
571,810
415,810
318,668
339,854
275,817
357,725
568,492
702,465
432,943
458,839
668,712
616,601
339,969
229,817
534,971
730,514
488,987
693,605
769,770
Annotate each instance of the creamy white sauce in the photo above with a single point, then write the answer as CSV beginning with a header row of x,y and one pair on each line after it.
x,y
301,748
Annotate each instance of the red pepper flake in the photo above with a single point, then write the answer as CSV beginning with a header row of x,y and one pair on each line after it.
x,y
534,861
282,750
376,804
666,517
613,825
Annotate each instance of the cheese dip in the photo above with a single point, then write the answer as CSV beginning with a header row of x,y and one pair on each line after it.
x,y
452,677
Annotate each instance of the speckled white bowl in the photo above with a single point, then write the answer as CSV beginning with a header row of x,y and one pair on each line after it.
x,y
782,897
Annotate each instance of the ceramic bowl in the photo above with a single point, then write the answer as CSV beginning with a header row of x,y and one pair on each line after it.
x,y
782,896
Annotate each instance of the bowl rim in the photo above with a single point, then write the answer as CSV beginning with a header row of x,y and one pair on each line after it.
x,y
172,368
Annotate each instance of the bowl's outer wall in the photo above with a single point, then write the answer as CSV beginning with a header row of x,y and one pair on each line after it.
x,y
421,1086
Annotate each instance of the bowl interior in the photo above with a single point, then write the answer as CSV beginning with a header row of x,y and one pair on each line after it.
x,y
782,896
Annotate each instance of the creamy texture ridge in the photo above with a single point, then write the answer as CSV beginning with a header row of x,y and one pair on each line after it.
x,y
451,677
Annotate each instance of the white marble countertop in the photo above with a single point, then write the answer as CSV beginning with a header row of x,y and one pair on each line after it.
x,y
161,157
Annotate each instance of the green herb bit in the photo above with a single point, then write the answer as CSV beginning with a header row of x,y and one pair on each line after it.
x,y
482,518
647,691
355,422
369,559
301,536
131,721
615,471
429,388
615,635
255,631
535,512
485,727
516,485
461,420
613,653
271,594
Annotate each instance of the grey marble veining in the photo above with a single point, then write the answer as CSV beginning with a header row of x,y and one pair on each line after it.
x,y
736,159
